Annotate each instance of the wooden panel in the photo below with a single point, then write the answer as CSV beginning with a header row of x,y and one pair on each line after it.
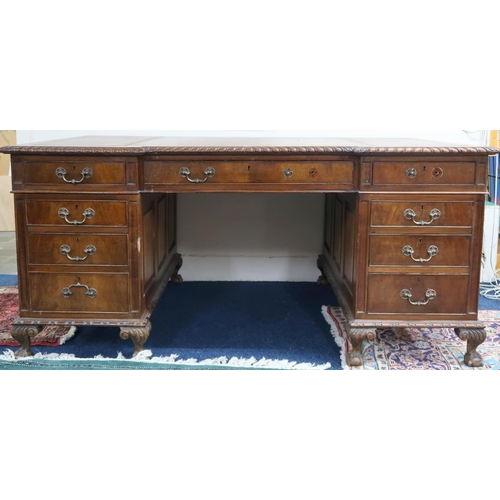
x,y
452,250
338,217
425,173
172,221
349,245
391,213
251,172
328,237
149,225
161,230
112,213
110,250
46,292
384,294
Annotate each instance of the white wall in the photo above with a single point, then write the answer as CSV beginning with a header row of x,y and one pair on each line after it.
x,y
253,237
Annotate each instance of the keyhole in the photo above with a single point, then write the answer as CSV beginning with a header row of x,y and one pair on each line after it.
x,y
248,168
78,279
76,206
425,168
420,241
78,240
74,167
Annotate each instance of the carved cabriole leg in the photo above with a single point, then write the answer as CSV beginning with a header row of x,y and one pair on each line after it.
x,y
23,335
356,337
474,338
176,277
322,280
138,334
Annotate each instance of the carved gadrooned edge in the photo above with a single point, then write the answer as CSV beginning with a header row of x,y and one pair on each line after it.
x,y
249,149
136,150
73,150
420,150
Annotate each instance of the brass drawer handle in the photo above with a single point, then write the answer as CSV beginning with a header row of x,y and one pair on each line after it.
x,y
411,173
288,173
429,295
410,215
432,251
66,292
185,172
86,173
88,213
89,250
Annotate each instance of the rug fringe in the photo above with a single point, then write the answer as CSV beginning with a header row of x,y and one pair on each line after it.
x,y
147,356
67,336
339,340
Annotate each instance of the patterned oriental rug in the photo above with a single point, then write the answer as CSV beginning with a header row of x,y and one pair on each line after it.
x,y
49,336
417,349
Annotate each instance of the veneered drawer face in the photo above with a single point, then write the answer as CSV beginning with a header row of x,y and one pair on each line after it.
x,y
424,173
73,175
385,294
87,249
422,214
251,172
97,293
407,250
76,213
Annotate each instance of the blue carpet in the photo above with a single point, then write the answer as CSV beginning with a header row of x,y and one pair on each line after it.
x,y
205,320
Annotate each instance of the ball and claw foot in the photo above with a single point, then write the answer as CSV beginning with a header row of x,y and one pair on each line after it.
x,y
473,360
23,334
322,280
138,335
474,338
176,278
354,358
356,337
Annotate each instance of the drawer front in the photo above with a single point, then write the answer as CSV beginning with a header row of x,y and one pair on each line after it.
x,y
73,174
424,173
82,293
76,213
421,214
250,172
81,250
420,251
430,294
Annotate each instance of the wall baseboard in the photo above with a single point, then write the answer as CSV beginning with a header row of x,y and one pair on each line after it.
x,y
198,268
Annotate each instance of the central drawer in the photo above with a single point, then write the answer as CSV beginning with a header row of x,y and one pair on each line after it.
x,y
194,173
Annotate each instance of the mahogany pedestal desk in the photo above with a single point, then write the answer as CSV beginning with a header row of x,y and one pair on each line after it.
x,y
96,226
